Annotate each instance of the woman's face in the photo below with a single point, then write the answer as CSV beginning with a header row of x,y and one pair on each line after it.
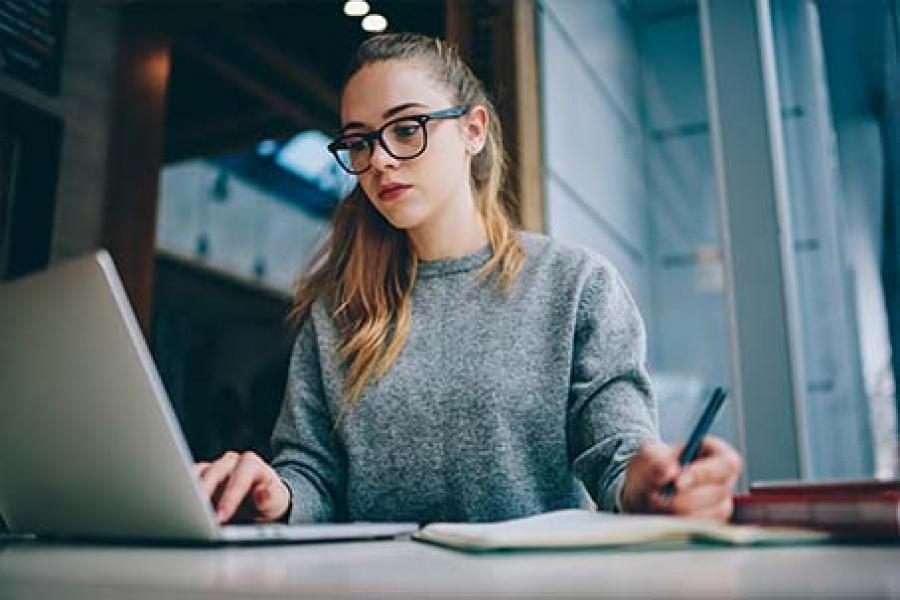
x,y
383,91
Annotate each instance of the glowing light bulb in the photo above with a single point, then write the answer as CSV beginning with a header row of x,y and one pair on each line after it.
x,y
356,8
374,23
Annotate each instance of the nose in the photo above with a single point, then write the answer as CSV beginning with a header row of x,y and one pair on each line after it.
x,y
380,159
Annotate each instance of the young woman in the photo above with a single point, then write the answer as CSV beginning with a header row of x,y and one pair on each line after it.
x,y
448,367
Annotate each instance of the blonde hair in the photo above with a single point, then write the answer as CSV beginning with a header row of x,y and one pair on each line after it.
x,y
365,269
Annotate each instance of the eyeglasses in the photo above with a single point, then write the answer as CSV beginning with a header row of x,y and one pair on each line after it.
x,y
404,138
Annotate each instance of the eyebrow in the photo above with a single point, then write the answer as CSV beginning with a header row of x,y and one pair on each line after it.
x,y
387,114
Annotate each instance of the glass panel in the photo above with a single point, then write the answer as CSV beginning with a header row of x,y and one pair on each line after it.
x,y
255,215
644,195
233,232
832,79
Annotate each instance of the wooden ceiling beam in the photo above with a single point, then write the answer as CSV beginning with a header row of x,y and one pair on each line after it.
x,y
305,79
218,125
194,137
252,86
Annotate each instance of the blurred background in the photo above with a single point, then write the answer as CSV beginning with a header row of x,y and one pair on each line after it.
x,y
737,160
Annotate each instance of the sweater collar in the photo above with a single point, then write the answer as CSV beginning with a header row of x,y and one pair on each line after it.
x,y
458,264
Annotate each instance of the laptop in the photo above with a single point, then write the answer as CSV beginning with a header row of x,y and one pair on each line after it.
x,y
89,444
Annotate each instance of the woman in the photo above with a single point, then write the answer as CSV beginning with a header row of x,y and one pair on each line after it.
x,y
448,367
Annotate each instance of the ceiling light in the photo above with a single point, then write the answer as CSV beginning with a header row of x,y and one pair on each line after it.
x,y
374,23
356,8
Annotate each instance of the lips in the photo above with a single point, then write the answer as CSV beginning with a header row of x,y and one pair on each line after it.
x,y
392,190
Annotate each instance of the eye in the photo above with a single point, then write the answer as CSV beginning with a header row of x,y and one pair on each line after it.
x,y
353,144
405,130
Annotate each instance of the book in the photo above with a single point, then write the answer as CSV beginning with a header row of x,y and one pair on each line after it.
x,y
847,509
819,488
577,528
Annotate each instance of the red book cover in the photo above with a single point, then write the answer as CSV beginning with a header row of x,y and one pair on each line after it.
x,y
866,509
819,488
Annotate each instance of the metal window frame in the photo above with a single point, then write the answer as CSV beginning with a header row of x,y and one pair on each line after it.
x,y
748,162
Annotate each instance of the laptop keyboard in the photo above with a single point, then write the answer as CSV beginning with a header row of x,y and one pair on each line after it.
x,y
316,532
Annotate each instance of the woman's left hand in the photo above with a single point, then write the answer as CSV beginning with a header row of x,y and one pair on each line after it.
x,y
703,488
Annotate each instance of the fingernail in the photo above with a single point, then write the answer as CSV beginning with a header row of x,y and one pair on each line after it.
x,y
685,481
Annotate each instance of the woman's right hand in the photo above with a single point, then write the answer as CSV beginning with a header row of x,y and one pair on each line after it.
x,y
244,481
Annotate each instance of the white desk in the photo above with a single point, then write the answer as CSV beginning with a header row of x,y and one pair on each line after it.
x,y
406,569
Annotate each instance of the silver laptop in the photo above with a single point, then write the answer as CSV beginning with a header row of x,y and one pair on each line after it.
x,y
89,444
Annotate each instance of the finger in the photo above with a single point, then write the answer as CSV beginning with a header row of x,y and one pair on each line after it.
x,y
263,495
272,500
218,472
648,471
719,512
200,468
698,499
656,465
245,476
658,502
712,445
717,447
707,471
716,466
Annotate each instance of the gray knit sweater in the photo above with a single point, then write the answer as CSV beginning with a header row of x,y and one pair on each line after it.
x,y
499,406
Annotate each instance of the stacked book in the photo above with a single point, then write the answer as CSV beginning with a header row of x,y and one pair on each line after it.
x,y
855,509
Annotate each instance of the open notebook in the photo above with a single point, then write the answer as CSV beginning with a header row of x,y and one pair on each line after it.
x,y
576,528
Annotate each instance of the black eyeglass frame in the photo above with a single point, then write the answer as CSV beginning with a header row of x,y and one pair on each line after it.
x,y
454,112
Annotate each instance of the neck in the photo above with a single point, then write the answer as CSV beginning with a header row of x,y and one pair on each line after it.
x,y
456,231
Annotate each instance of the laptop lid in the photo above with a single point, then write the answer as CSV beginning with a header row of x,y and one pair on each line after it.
x,y
89,444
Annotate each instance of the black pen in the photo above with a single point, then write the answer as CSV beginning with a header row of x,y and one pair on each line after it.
x,y
689,453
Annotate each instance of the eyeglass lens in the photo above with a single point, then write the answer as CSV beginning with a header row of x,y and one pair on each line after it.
x,y
402,139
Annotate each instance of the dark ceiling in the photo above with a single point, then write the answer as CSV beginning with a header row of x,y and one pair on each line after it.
x,y
246,71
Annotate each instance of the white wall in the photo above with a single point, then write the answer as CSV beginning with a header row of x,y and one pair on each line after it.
x,y
593,151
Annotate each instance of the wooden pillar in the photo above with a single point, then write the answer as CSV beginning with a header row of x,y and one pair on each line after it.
x,y
135,157
498,39
459,26
526,149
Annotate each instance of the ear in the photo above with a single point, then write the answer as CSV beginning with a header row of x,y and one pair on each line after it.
x,y
475,128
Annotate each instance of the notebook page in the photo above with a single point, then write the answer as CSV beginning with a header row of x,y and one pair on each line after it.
x,y
562,529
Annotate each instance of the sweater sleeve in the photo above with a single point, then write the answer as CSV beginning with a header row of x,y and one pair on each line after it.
x,y
307,454
612,412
